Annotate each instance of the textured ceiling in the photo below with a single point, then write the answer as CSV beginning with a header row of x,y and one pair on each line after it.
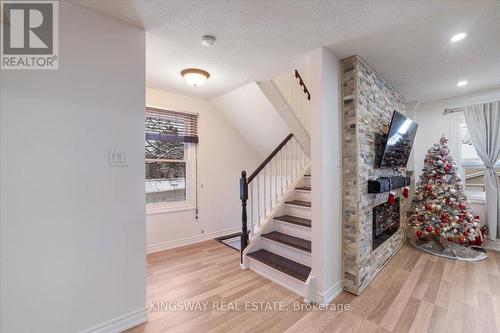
x,y
406,42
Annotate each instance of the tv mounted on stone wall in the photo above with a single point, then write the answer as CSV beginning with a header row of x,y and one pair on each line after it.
x,y
399,141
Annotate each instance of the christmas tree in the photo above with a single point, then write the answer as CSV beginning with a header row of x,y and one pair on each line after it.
x,y
442,208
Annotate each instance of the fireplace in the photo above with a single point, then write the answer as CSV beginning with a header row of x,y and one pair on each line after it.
x,y
385,222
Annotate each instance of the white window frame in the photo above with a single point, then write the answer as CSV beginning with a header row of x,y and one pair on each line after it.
x,y
457,121
190,202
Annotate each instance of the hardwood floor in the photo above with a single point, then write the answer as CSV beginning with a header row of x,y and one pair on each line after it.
x,y
415,292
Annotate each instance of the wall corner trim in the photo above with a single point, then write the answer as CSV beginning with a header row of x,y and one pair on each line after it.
x,y
120,323
329,295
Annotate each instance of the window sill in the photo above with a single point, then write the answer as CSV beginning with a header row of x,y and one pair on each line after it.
x,y
477,197
166,208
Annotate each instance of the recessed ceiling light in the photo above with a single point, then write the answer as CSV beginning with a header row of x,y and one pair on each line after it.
x,y
194,76
208,40
458,37
462,83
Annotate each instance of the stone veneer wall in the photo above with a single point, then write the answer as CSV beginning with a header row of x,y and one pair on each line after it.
x,y
369,102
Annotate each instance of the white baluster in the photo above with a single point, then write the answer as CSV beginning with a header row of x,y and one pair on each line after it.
x,y
296,159
276,179
281,171
258,200
264,194
290,162
287,164
251,209
270,188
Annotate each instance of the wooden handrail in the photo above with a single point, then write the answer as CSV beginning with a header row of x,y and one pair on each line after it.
x,y
244,181
302,84
269,158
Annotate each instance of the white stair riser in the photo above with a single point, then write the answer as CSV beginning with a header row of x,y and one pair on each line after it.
x,y
302,195
278,277
292,229
298,211
287,251
306,181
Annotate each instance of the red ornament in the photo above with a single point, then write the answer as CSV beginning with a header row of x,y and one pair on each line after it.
x,y
428,207
420,218
390,199
447,168
438,176
437,231
428,187
461,239
406,192
462,205
418,233
476,241
428,228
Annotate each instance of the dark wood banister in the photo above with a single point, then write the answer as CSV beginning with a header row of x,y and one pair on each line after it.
x,y
269,158
244,181
302,84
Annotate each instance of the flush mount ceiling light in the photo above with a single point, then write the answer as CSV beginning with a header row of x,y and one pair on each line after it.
x,y
458,37
208,40
194,76
462,83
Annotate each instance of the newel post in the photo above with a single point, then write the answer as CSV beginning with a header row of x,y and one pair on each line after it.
x,y
244,198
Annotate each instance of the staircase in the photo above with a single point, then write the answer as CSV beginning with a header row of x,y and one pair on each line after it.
x,y
276,197
282,250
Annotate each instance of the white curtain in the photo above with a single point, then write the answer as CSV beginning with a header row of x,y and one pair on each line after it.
x,y
483,122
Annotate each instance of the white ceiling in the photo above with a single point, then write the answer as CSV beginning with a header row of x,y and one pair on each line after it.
x,y
406,42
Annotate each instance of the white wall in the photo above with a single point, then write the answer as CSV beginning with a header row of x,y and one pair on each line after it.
x,y
432,124
222,155
72,228
253,115
326,155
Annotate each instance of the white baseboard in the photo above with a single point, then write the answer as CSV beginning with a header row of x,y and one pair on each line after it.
x,y
328,296
152,248
492,245
121,323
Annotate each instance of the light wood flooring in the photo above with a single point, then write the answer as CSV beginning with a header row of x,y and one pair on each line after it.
x,y
414,292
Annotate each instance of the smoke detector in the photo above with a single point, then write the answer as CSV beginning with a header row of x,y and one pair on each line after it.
x,y
208,40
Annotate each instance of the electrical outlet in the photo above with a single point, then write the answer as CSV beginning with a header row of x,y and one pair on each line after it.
x,y
117,158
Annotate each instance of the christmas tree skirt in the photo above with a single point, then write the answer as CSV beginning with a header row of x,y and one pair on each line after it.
x,y
448,250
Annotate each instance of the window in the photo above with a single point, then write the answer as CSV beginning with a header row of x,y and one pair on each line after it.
x,y
170,160
471,166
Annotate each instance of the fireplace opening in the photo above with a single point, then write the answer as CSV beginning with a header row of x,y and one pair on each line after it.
x,y
385,222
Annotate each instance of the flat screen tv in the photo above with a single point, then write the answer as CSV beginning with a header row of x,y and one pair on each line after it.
x,y
399,141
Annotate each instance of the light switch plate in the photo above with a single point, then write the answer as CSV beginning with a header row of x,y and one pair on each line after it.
x,y
117,158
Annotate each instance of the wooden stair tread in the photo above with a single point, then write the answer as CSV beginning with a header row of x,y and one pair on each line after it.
x,y
303,188
294,220
282,264
299,203
296,242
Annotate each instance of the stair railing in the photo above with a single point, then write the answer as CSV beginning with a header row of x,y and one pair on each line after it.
x,y
293,89
264,188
